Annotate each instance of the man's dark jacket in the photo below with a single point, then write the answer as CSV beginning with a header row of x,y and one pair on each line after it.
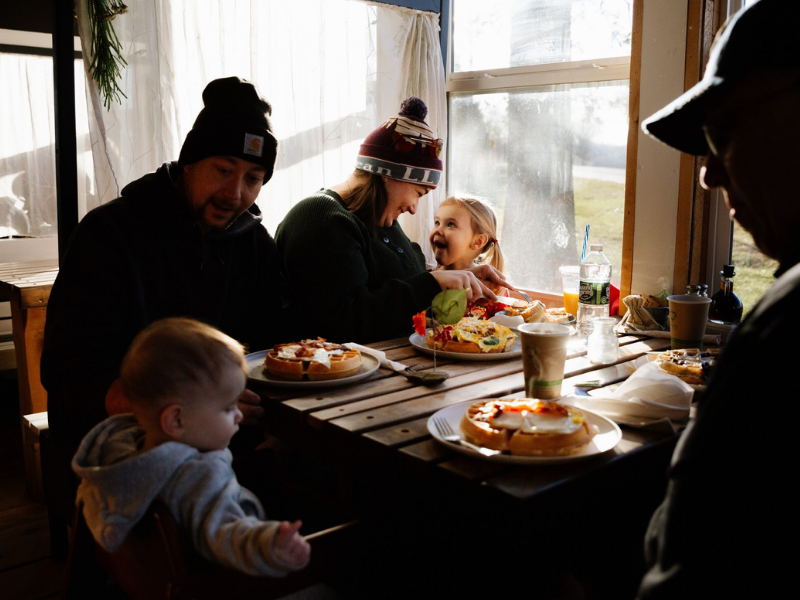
x,y
141,258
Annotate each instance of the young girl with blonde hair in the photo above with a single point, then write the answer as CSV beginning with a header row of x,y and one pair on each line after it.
x,y
464,234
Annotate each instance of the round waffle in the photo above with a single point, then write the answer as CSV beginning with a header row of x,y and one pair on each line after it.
x,y
527,427
315,360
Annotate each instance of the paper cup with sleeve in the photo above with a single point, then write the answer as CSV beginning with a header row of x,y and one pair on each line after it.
x,y
687,320
544,352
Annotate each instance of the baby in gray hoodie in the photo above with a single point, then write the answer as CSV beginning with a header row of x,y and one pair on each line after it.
x,y
182,379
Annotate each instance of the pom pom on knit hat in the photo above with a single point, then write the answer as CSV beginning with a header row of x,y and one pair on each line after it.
x,y
404,147
234,122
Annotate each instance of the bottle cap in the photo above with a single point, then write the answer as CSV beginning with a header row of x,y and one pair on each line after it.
x,y
596,247
727,271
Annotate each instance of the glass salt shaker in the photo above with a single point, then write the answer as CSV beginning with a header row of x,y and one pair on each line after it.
x,y
700,289
602,347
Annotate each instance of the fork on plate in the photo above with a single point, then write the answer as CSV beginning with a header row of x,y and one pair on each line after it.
x,y
524,295
448,435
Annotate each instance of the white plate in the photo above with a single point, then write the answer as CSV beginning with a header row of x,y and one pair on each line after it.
x,y
608,436
255,371
515,352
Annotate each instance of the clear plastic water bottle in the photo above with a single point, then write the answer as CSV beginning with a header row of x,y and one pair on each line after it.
x,y
595,287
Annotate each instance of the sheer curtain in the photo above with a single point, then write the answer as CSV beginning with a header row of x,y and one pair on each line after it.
x,y
27,146
333,70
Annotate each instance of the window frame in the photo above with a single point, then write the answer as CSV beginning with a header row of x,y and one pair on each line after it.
x,y
597,70
13,41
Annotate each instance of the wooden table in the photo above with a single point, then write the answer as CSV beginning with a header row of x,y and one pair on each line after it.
x,y
374,435
26,285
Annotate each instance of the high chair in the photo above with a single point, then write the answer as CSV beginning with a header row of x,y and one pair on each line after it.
x,y
156,561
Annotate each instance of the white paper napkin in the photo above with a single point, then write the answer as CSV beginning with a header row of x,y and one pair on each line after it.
x,y
380,355
648,398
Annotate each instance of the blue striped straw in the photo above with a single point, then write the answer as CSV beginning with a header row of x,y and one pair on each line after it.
x,y
585,240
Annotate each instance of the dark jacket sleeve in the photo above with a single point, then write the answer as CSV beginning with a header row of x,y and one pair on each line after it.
x,y
90,323
344,284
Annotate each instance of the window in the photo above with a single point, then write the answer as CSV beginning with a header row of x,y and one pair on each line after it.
x,y
27,146
538,105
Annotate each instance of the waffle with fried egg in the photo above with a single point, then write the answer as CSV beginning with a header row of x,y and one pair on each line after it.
x,y
527,427
473,336
314,360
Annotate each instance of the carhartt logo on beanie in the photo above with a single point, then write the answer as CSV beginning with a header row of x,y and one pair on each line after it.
x,y
233,122
404,147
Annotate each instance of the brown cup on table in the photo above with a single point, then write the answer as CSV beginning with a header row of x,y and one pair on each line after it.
x,y
544,352
688,316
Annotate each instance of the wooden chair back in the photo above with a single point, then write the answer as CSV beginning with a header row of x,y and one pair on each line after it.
x,y
155,561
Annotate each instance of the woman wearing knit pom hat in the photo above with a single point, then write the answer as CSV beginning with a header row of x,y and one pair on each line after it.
x,y
350,272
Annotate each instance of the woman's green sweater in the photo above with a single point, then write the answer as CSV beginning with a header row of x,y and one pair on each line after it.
x,y
344,284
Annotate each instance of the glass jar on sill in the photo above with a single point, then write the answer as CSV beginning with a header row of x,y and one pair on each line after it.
x,y
602,346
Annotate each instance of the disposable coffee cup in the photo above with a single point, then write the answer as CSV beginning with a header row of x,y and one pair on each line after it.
x,y
544,352
687,320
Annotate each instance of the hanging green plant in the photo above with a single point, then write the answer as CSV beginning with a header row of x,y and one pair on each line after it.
x,y
106,50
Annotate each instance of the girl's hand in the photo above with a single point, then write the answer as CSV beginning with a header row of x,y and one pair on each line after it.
x,y
464,280
289,546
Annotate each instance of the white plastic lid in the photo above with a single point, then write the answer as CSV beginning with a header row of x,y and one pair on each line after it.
x,y
596,247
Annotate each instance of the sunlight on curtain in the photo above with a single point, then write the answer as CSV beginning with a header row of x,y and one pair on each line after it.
x,y
27,145
316,61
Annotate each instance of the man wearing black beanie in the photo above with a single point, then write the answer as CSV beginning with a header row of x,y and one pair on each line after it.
x,y
186,240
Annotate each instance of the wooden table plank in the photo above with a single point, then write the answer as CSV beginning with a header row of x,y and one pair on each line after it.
x,y
336,397
391,410
370,404
401,434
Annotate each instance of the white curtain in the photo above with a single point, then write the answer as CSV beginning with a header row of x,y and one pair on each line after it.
x,y
27,146
333,70
412,38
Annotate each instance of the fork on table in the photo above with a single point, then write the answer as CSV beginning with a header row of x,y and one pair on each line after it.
x,y
448,435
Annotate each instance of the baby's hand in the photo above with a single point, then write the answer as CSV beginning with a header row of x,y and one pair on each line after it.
x,y
289,546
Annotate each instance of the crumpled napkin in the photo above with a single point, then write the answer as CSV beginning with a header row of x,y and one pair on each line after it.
x,y
637,318
380,355
648,399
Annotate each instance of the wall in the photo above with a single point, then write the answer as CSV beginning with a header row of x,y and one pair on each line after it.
x,y
656,214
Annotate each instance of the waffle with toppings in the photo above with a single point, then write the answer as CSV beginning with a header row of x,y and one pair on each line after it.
x,y
315,360
691,365
527,427
472,335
